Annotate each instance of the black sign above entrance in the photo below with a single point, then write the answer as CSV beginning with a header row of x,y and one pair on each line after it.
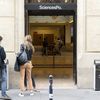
x,y
51,6
56,7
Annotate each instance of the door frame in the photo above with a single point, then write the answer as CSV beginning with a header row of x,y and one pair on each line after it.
x,y
55,9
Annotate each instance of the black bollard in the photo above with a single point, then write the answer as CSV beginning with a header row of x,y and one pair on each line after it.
x,y
50,87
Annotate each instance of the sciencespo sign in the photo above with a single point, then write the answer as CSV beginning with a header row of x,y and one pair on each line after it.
x,y
45,7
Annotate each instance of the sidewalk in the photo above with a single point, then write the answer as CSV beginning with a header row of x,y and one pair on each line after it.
x,y
68,94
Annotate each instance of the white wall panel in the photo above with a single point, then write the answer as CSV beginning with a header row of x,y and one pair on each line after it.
x,y
7,7
7,31
93,7
93,33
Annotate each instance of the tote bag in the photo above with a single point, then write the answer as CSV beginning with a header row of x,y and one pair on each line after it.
x,y
16,66
22,58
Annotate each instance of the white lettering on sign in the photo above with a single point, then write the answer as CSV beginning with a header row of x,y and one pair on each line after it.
x,y
50,7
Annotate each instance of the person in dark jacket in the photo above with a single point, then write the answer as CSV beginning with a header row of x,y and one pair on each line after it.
x,y
45,46
3,72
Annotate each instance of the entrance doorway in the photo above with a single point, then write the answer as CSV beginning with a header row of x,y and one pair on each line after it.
x,y
53,28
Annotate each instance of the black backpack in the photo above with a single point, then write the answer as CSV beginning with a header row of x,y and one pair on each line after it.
x,y
2,57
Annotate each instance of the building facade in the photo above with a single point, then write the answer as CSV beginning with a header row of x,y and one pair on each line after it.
x,y
12,28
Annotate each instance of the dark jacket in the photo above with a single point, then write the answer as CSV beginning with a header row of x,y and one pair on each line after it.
x,y
45,43
28,52
2,56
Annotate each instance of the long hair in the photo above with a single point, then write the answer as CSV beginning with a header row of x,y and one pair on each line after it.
x,y
28,42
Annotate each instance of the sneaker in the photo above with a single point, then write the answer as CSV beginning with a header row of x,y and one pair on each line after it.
x,y
35,90
6,97
21,94
31,93
3,97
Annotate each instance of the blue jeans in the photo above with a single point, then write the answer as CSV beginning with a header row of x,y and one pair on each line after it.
x,y
4,81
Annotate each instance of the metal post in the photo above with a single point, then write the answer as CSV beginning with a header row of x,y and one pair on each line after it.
x,y
50,87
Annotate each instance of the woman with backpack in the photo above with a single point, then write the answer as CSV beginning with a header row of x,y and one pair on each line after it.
x,y
29,49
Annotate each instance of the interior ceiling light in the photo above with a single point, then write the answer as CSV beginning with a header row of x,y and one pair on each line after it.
x,y
66,0
71,21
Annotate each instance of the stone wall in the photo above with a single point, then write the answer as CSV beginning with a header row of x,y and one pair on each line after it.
x,y
12,30
88,40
